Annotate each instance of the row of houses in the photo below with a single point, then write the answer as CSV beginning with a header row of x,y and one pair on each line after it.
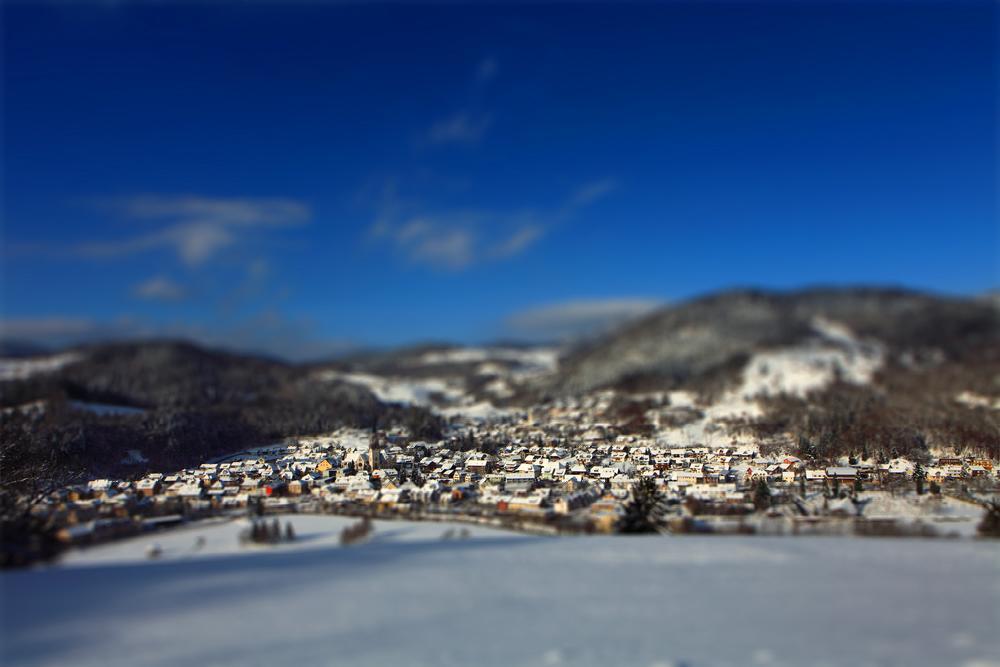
x,y
392,472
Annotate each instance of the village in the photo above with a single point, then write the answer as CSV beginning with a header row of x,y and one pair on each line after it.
x,y
549,471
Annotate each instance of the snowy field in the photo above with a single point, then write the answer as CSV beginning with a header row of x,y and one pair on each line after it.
x,y
409,597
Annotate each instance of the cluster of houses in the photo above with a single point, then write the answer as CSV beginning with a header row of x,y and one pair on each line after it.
x,y
585,476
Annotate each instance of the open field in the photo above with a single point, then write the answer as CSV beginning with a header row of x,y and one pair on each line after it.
x,y
408,597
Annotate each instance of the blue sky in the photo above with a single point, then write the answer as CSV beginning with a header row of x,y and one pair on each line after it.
x,y
301,177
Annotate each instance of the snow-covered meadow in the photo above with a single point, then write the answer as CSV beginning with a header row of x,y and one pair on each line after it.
x,y
409,597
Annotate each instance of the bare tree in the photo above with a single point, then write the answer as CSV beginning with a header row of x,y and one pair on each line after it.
x,y
25,482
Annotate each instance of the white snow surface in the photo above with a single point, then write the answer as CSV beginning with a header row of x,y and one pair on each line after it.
x,y
974,400
804,368
538,359
134,457
480,411
400,390
795,370
949,515
20,369
407,597
422,392
683,399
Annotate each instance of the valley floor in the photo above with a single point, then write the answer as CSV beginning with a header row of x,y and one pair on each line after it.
x,y
409,597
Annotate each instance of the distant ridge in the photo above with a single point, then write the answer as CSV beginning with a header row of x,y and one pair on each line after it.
x,y
688,343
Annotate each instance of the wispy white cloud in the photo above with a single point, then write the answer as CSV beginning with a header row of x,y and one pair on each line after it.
x,y
437,241
576,319
235,212
522,239
448,248
464,127
195,228
591,192
159,288
487,69
458,239
469,124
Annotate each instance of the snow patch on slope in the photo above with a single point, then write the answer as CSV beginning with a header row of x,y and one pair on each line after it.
x,y
439,395
536,360
407,391
974,400
481,411
134,457
21,369
682,399
836,353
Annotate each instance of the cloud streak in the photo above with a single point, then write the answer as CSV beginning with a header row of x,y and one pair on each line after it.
x,y
457,240
464,127
194,228
591,192
468,125
518,242
159,288
487,70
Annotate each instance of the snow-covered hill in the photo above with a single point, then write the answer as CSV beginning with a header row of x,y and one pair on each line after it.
x,y
408,597
466,381
694,343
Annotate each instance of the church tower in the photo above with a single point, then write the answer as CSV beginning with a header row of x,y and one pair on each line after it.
x,y
375,451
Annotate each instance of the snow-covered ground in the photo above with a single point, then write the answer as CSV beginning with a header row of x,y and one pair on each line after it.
x,y
532,360
800,369
408,597
974,400
426,392
478,411
20,369
449,395
796,370
221,538
406,391
946,515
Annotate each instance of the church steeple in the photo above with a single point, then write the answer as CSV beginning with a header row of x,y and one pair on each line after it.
x,y
375,450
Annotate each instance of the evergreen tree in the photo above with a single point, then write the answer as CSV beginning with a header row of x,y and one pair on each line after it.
x,y
255,507
762,496
807,450
990,525
644,511
919,477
